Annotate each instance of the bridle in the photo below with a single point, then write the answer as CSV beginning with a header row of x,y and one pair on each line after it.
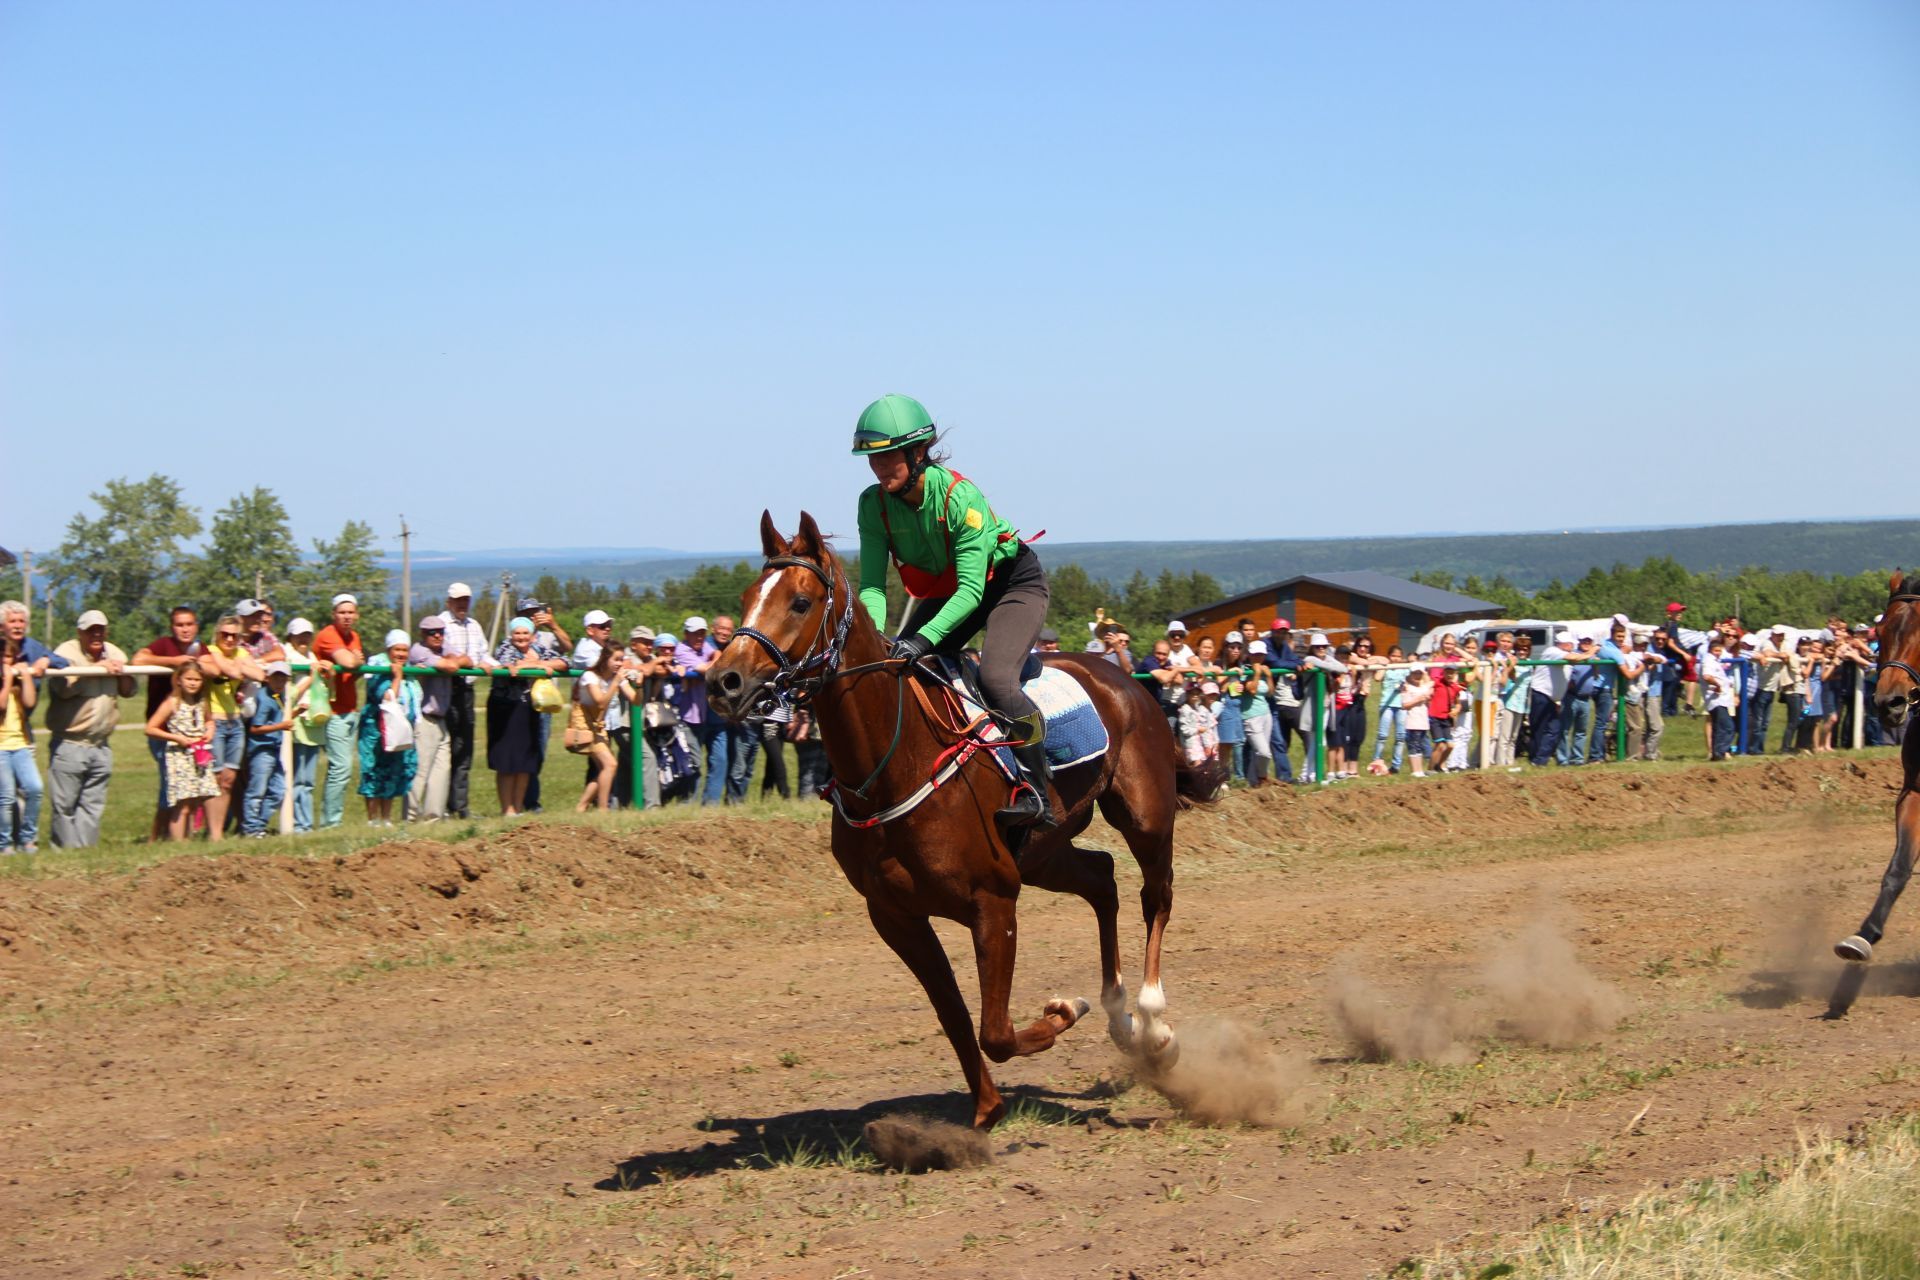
x,y
799,679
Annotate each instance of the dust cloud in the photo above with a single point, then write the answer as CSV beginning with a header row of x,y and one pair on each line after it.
x,y
1532,989
917,1144
1228,1074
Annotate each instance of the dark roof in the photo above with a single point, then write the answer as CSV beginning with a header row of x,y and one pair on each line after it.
x,y
1376,586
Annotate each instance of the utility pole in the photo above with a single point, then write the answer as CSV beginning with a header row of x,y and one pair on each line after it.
x,y
258,587
406,577
48,610
500,609
26,576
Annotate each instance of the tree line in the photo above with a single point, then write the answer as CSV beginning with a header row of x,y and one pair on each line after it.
x,y
132,558
1759,596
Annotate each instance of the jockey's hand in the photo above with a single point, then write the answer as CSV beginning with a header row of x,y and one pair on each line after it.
x,y
910,648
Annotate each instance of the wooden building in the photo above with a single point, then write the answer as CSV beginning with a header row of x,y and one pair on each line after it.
x,y
1344,605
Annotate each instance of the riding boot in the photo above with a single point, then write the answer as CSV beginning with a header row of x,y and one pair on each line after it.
x,y
1034,807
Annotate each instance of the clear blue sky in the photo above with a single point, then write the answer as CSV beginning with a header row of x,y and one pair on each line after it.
x,y
623,274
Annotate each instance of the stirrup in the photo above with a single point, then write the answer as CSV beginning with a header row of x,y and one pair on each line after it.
x,y
1027,808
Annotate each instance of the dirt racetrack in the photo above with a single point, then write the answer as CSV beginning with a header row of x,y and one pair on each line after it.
x,y
561,1051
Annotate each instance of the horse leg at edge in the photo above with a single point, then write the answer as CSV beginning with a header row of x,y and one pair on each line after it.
x,y
1906,825
918,946
994,946
1088,873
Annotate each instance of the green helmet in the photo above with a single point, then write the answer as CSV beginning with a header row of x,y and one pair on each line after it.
x,y
892,422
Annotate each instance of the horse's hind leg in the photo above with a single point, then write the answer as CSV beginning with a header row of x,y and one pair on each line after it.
x,y
1906,825
1088,874
914,941
1146,820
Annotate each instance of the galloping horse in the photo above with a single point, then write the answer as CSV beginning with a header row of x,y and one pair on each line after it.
x,y
1894,697
913,828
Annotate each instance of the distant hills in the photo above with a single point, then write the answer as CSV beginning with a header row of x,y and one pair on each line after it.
x,y
1529,560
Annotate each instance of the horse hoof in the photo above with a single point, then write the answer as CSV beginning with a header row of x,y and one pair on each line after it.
x,y
1166,1053
1856,948
1069,1011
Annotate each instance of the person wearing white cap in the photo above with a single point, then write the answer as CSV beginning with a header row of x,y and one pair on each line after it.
x,y
306,690
692,656
598,625
1180,653
339,646
256,624
433,750
1318,710
1548,689
1776,682
466,639
80,725
388,759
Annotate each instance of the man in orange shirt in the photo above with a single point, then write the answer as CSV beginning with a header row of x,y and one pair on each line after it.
x,y
338,647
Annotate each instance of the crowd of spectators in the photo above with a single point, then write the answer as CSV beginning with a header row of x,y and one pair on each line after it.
x,y
216,717
1576,701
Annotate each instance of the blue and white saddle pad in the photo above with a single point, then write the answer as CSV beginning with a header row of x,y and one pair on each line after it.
x,y
1075,732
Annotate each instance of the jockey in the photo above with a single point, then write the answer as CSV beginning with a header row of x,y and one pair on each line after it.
x,y
965,569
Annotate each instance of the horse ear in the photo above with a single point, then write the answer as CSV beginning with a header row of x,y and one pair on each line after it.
x,y
809,541
1899,581
771,541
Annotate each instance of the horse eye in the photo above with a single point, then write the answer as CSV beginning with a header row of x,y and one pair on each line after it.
x,y
801,604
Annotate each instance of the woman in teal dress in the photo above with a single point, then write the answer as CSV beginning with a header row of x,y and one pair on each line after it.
x,y
386,774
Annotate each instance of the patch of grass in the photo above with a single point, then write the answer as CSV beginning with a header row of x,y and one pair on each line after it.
x,y
1839,1208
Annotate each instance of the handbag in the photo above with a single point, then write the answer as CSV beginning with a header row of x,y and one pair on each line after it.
x,y
396,731
319,701
545,695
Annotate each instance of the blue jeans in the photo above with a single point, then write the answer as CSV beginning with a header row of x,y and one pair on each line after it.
x,y
1285,721
714,740
158,750
1395,718
265,789
1576,722
742,746
306,763
19,779
1543,713
1759,715
343,749
1602,717
1722,732
229,743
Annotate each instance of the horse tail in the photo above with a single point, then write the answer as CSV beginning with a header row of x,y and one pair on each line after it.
x,y
1201,783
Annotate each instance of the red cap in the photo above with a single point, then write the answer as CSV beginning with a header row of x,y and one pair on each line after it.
x,y
1281,624
1676,607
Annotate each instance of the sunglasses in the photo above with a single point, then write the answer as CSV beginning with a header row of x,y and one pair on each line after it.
x,y
229,635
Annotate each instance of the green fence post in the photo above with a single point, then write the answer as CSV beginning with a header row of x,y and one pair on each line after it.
x,y
636,743
1319,724
1619,713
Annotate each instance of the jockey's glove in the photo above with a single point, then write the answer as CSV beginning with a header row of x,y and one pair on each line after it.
x,y
911,648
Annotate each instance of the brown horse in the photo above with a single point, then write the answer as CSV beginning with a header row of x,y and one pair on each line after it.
x,y
915,853
1894,696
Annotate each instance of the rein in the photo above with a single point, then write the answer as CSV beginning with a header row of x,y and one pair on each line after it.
x,y
799,680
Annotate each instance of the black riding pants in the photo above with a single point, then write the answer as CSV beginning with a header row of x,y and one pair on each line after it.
x,y
1012,610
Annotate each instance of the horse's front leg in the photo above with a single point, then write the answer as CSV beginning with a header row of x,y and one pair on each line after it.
x,y
994,946
914,941
1906,828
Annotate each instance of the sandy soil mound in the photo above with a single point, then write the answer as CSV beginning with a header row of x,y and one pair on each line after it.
x,y
213,912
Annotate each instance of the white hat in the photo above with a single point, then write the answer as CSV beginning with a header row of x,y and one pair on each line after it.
x,y
345,597
1209,687
1317,638
1622,619
279,669
1096,646
248,607
1258,646
92,618
1234,637
434,622
694,623
1176,625
459,589
397,636
1565,637
596,618
299,627
1778,629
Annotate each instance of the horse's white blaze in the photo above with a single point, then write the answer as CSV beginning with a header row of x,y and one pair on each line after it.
x,y
760,602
